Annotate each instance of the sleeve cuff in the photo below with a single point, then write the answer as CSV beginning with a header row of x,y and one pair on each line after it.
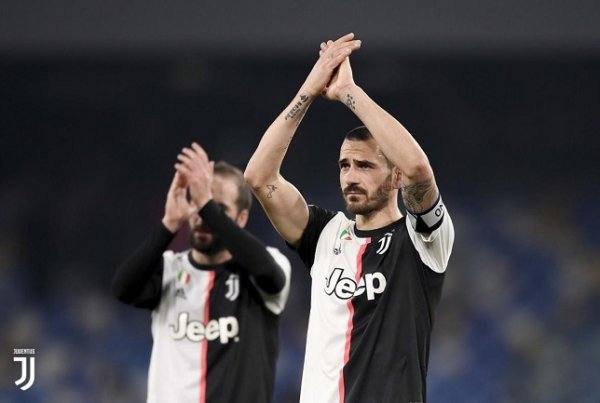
x,y
164,233
210,209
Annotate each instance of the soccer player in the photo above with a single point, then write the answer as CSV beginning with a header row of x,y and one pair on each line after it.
x,y
215,307
377,278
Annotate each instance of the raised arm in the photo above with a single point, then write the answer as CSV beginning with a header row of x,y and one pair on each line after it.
x,y
251,253
138,280
282,202
419,190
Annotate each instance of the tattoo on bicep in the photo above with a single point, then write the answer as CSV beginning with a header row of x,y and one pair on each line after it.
x,y
298,110
271,189
350,103
414,194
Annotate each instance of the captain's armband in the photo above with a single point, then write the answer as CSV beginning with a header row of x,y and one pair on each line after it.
x,y
430,220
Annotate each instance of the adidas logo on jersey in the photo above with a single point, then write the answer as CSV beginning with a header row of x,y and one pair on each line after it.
x,y
224,329
346,287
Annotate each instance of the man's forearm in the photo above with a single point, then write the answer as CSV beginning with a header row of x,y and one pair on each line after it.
x,y
133,279
265,163
245,248
395,141
418,187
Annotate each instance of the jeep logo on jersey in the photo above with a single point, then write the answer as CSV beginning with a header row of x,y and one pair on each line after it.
x,y
346,287
224,329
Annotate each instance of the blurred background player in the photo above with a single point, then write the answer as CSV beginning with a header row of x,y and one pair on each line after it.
x,y
215,307
376,280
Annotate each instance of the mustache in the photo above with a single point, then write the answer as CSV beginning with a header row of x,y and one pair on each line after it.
x,y
354,189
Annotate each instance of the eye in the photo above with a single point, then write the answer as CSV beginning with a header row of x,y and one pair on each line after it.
x,y
344,165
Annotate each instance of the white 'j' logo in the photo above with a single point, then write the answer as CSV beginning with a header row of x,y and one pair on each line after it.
x,y
385,243
27,372
233,287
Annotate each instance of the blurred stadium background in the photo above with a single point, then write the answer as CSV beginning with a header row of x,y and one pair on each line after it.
x,y
97,98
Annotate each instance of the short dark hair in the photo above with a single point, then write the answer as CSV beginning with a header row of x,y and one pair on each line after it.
x,y
361,133
244,199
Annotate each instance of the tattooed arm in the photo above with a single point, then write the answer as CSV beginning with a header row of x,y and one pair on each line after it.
x,y
419,191
418,187
282,202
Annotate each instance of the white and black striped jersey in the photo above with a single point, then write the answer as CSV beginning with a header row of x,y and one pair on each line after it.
x,y
373,299
215,333
215,328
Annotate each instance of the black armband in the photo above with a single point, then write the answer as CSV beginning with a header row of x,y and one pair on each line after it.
x,y
430,220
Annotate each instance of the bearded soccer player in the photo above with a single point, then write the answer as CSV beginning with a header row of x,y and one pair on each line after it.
x,y
377,278
215,307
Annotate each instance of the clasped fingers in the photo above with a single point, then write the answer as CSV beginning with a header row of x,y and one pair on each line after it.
x,y
332,53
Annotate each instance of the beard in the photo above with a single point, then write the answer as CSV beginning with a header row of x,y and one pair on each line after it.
x,y
375,202
206,242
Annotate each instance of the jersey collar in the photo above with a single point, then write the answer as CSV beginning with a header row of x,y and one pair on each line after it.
x,y
378,232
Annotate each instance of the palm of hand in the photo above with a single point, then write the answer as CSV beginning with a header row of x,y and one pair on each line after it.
x,y
177,205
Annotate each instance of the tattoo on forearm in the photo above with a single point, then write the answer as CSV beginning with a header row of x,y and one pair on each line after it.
x,y
271,189
350,103
301,116
299,109
294,111
414,194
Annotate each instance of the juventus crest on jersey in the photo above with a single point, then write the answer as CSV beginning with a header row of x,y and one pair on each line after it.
x,y
373,298
212,328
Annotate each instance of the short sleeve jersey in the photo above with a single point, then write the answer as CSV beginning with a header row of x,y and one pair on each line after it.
x,y
216,334
373,298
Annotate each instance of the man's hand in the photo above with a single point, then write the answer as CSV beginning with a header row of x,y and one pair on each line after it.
x,y
177,207
197,170
332,54
338,88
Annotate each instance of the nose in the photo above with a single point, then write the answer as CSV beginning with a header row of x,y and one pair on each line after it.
x,y
349,177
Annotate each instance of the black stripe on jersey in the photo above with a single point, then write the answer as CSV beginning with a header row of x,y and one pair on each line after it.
x,y
253,350
317,220
389,344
